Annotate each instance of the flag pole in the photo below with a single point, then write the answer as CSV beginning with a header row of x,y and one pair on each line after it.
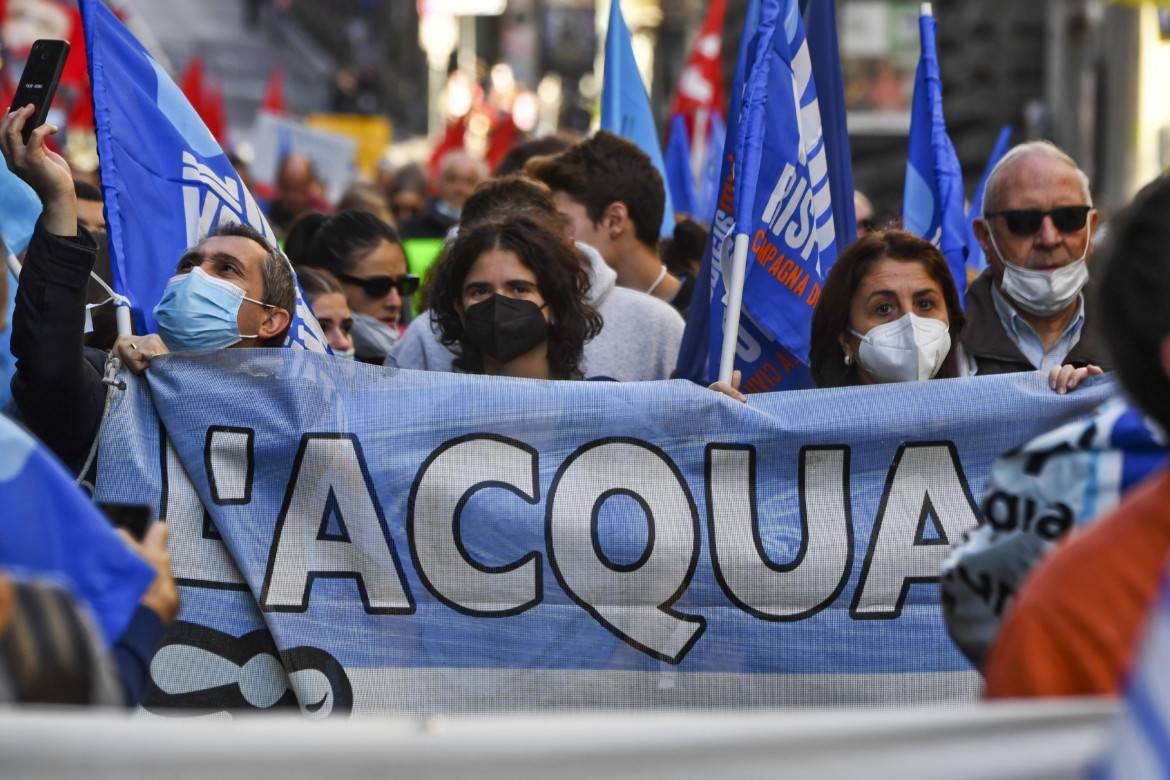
x,y
739,253
14,266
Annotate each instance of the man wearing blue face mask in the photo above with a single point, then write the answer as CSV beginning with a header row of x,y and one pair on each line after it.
x,y
231,289
1027,311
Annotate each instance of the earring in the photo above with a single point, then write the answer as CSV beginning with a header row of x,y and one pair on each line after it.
x,y
848,359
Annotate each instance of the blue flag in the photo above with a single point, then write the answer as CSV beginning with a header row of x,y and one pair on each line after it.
x,y
50,528
694,355
820,25
932,202
625,106
167,182
781,203
976,259
708,193
679,180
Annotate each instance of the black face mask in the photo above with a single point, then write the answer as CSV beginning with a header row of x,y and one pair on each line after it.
x,y
505,328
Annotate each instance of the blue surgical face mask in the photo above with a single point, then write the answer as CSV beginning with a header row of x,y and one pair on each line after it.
x,y
198,311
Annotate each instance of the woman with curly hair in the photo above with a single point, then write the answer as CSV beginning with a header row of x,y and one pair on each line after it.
x,y
509,298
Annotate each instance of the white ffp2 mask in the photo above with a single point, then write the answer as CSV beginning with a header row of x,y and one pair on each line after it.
x,y
909,349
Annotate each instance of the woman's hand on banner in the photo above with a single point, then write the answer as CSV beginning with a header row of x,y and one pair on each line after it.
x,y
730,390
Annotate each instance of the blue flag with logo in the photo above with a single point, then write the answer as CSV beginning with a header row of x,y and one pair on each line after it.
x,y
625,106
932,201
167,182
976,258
679,180
782,202
768,361
50,529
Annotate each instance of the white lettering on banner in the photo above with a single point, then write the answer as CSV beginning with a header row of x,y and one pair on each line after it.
x,y
815,577
446,482
198,555
230,465
330,488
331,525
632,601
925,485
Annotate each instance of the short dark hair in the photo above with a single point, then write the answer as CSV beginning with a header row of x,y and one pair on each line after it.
x,y
519,155
280,288
831,318
508,195
603,170
560,278
1134,291
344,239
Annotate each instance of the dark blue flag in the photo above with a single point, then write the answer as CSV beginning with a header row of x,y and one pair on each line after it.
x,y
932,202
820,25
167,182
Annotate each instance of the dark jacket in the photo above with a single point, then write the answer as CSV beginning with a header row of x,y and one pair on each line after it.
x,y
58,386
984,337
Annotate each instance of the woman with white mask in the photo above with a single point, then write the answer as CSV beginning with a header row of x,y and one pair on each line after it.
x,y
888,312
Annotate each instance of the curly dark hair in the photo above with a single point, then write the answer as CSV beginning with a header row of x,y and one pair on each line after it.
x,y
826,358
562,281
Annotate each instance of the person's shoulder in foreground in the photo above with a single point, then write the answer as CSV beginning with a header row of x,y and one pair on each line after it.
x,y
1074,628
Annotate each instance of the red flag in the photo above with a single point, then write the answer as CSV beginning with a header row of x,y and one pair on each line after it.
x,y
501,140
452,140
191,82
274,95
700,86
213,114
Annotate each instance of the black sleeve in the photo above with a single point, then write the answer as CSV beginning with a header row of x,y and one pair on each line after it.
x,y
58,392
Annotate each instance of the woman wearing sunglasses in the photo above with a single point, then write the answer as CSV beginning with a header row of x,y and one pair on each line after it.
x,y
509,299
365,255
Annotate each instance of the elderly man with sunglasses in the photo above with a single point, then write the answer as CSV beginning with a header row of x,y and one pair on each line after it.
x,y
1027,310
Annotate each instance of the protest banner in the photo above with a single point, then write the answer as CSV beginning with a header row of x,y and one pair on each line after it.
x,y
375,540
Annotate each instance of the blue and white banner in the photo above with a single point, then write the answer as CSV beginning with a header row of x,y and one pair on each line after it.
x,y
166,181
349,537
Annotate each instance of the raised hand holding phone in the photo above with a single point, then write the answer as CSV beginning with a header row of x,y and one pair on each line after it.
x,y
38,82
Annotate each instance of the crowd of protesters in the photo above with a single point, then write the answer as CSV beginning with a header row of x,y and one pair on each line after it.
x,y
552,267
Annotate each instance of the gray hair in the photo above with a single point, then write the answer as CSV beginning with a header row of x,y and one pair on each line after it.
x,y
1047,148
280,289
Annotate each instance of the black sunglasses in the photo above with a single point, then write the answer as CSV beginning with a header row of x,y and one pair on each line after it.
x,y
1026,222
380,286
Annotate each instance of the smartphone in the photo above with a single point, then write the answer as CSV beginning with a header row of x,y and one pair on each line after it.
x,y
38,82
133,517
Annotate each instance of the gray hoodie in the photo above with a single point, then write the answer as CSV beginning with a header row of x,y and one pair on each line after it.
x,y
639,340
